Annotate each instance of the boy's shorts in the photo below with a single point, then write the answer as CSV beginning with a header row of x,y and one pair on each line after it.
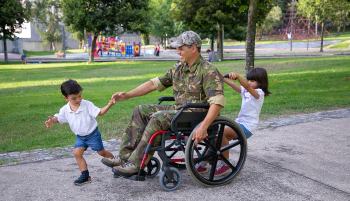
x,y
247,133
93,140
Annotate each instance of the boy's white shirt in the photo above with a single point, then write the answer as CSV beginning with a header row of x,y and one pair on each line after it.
x,y
82,122
250,109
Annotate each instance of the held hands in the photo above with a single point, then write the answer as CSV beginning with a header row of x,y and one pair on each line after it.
x,y
119,96
111,102
48,123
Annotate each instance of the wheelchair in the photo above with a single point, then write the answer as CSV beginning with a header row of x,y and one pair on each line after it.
x,y
178,151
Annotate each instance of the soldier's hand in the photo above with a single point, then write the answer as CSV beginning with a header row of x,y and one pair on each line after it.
x,y
199,134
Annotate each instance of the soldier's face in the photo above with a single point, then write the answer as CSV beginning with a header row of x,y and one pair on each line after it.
x,y
185,53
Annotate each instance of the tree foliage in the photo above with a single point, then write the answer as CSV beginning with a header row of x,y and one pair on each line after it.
x,y
106,17
47,18
340,14
12,16
322,8
272,20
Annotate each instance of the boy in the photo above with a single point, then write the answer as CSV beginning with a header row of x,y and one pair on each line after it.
x,y
24,58
80,115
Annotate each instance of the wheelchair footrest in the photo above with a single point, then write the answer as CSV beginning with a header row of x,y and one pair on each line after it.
x,y
136,177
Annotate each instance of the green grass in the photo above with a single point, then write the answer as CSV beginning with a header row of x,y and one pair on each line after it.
x,y
31,93
341,45
43,53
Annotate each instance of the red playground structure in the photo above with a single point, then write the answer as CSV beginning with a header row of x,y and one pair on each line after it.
x,y
110,46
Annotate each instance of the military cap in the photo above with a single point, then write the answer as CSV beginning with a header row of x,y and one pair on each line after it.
x,y
187,38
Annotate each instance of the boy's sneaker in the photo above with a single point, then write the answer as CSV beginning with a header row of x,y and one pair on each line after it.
x,y
201,168
114,161
222,169
82,180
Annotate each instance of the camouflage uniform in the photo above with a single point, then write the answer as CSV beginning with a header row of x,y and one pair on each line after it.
x,y
199,83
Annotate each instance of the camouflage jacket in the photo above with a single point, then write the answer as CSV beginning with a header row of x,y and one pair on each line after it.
x,y
199,83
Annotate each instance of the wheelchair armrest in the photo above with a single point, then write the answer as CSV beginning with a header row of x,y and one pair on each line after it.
x,y
196,105
166,98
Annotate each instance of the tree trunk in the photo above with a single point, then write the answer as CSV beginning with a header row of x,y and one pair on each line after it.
x,y
338,29
212,44
92,49
50,46
5,50
322,25
251,31
344,29
219,43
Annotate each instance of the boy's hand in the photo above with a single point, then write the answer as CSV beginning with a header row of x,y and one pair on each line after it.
x,y
111,102
49,123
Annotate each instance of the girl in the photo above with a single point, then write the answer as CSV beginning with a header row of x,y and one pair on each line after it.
x,y
253,93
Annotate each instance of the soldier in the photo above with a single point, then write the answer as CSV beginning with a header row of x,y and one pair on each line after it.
x,y
194,80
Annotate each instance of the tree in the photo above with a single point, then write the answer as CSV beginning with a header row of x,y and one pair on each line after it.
x,y
161,24
322,8
12,16
256,13
340,14
209,17
47,18
78,35
106,17
272,19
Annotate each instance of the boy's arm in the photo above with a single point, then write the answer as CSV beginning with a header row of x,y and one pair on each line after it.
x,y
51,121
246,85
105,109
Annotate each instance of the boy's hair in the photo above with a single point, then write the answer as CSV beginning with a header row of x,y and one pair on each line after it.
x,y
260,75
70,87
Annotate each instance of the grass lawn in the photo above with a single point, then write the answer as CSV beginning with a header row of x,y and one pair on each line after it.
x,y
43,53
30,93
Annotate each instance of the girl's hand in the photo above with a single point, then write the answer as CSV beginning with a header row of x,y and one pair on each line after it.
x,y
233,76
49,123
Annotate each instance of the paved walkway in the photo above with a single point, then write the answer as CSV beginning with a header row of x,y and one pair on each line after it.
x,y
300,157
275,50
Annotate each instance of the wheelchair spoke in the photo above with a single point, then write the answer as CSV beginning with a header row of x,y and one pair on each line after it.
x,y
220,136
206,141
229,146
228,163
212,170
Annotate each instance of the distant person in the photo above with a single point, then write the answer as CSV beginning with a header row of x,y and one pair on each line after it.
x,y
289,35
156,50
212,56
24,58
80,114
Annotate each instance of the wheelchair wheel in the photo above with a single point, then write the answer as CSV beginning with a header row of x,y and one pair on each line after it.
x,y
152,168
168,185
237,148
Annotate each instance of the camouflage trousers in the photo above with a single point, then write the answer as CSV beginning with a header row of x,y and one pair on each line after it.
x,y
145,120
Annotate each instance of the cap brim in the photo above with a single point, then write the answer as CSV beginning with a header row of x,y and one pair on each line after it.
x,y
175,44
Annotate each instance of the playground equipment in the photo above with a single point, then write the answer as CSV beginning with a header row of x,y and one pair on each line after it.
x,y
109,46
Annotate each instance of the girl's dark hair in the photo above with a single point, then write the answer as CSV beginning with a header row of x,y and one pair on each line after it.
x,y
260,75
70,87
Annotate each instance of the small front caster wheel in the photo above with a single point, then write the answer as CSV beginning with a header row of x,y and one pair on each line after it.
x,y
168,184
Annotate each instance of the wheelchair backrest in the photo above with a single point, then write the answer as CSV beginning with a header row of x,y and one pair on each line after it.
x,y
187,121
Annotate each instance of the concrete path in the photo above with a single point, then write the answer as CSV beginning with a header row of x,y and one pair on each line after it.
x,y
305,161
261,51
